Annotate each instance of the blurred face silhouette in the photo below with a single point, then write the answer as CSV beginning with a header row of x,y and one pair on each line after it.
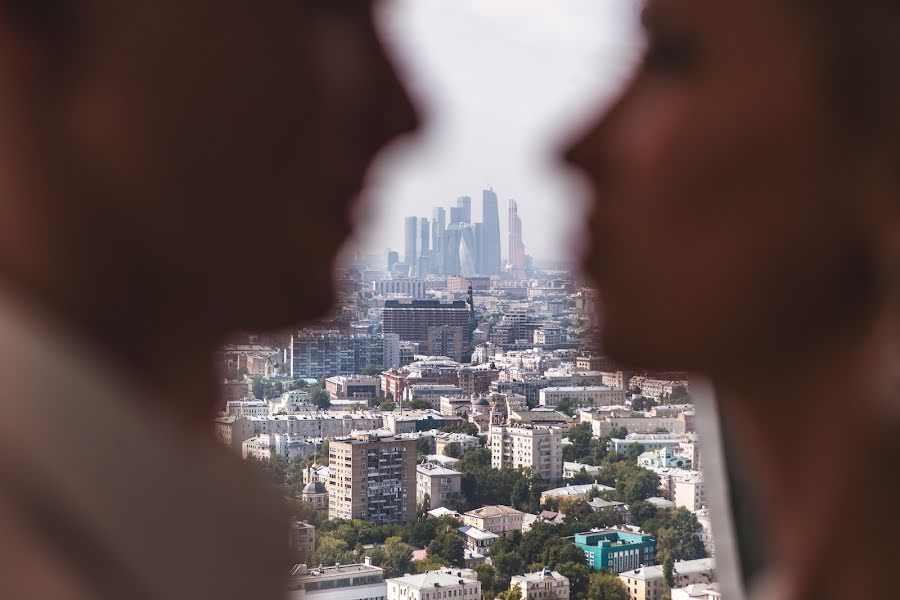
x,y
219,144
724,228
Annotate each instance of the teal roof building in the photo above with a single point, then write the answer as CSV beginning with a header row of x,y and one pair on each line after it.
x,y
616,550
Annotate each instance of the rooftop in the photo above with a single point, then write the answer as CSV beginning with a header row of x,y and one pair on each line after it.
x,y
437,579
494,511
302,572
546,573
575,490
682,567
477,534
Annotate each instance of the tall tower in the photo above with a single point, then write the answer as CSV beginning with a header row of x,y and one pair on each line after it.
x,y
411,233
452,239
491,233
516,247
438,227
464,203
424,240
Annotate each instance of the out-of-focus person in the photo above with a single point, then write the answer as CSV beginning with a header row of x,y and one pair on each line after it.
x,y
160,163
750,174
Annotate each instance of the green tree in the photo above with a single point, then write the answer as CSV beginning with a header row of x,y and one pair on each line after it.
x,y
619,433
467,428
418,404
669,570
395,558
474,459
567,406
633,452
371,371
642,404
453,450
679,536
579,578
449,546
506,564
581,437
606,586
511,594
319,397
487,576
387,405
423,445
639,484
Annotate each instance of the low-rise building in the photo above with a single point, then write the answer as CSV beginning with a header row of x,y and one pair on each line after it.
x,y
266,446
573,493
464,441
603,425
316,494
616,550
571,469
459,584
246,408
648,441
360,388
543,585
648,582
495,519
303,540
477,540
438,483
430,392
581,396
340,582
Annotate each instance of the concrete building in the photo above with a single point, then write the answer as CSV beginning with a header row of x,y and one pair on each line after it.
x,y
492,263
404,286
616,550
648,583
543,585
411,320
439,483
495,519
689,492
659,388
573,493
372,479
353,387
247,408
266,446
459,584
548,336
516,249
477,540
582,396
602,425
571,469
340,582
462,284
648,441
535,448
465,441
431,392
302,541
234,431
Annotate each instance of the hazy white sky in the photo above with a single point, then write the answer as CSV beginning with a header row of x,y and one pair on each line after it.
x,y
499,83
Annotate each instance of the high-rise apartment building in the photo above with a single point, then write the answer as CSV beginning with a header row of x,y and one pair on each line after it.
x,y
373,479
535,448
412,320
411,233
316,354
491,235
516,246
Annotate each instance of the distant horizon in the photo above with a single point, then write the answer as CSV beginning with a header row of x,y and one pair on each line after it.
x,y
496,107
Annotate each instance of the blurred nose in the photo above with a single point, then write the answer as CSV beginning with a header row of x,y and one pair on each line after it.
x,y
399,115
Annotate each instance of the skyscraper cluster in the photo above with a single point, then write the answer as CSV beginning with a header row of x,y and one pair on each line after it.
x,y
457,246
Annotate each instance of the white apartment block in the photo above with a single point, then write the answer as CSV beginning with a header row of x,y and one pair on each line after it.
x,y
440,483
689,492
543,585
582,396
648,583
322,424
443,584
536,448
340,582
